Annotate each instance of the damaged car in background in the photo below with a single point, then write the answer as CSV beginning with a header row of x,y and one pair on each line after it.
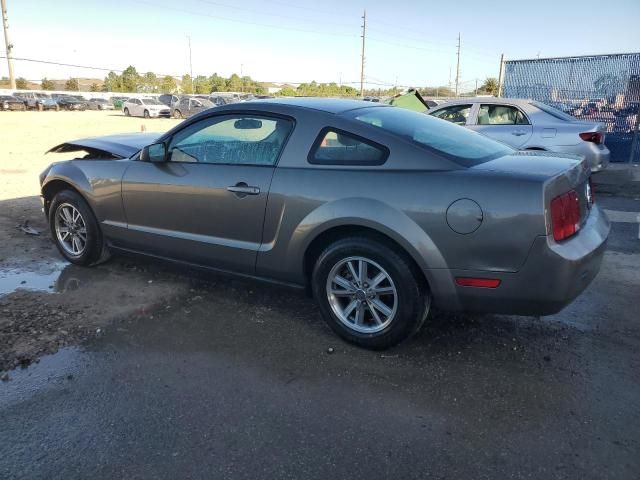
x,y
379,212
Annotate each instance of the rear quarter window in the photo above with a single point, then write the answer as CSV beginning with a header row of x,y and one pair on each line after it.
x,y
337,147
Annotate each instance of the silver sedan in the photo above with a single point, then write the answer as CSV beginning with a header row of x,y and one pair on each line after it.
x,y
529,125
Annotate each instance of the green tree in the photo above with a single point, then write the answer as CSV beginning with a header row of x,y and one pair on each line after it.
x,y
168,85
234,83
22,84
441,91
489,87
113,82
94,87
150,82
72,85
47,84
186,84
287,92
202,84
130,79
218,83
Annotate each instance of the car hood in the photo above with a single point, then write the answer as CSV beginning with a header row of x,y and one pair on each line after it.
x,y
118,146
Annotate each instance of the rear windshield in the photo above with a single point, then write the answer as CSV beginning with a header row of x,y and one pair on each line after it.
x,y
554,112
463,146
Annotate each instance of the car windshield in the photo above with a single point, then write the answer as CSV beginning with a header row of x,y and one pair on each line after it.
x,y
459,144
554,112
151,101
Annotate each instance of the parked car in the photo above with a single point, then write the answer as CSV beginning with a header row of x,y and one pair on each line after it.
x,y
118,101
379,211
9,102
99,104
188,106
145,107
219,100
69,102
38,101
168,99
529,125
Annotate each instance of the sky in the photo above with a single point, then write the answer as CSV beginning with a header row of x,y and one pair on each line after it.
x,y
408,42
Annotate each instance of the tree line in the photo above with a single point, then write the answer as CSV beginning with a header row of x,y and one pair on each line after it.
x,y
132,81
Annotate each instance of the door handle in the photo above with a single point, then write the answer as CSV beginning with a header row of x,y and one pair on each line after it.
x,y
241,189
518,133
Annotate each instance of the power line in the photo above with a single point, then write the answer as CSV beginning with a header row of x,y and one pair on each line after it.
x,y
246,22
61,64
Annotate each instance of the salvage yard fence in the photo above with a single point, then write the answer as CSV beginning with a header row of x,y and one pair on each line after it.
x,y
601,88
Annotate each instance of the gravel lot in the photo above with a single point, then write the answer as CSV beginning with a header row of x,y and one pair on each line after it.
x,y
162,372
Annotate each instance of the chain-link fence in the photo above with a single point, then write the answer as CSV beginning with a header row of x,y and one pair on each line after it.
x,y
601,88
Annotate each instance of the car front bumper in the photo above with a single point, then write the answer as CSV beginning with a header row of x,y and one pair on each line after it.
x,y
553,275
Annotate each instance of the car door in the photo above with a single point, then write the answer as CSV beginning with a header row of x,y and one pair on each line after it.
x,y
195,106
458,114
206,203
505,123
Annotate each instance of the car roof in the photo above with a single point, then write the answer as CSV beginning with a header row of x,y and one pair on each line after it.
x,y
506,101
329,105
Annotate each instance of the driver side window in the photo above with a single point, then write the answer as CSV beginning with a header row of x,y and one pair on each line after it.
x,y
231,140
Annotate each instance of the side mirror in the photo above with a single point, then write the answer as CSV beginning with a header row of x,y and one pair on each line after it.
x,y
154,153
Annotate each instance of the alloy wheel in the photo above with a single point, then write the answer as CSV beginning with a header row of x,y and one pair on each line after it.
x,y
362,294
71,229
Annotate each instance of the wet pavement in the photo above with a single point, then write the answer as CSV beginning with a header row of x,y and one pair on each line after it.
x,y
232,379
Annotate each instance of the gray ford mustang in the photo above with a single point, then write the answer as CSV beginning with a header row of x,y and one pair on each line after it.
x,y
379,212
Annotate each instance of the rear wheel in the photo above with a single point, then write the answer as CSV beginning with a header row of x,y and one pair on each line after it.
x,y
177,114
146,114
368,293
40,107
75,230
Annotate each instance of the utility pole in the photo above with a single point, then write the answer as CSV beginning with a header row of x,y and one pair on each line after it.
x,y
458,66
364,33
190,64
8,45
241,77
500,76
476,87
340,75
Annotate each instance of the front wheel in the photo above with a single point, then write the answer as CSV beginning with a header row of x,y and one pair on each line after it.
x,y
75,229
146,114
368,293
177,114
126,112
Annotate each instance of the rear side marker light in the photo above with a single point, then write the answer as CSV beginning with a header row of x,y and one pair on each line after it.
x,y
478,282
594,137
565,215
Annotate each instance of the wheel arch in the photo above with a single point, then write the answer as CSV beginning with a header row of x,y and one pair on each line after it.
x,y
371,218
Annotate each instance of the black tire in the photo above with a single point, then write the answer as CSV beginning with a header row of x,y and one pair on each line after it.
x,y
146,114
40,107
413,296
126,112
177,114
57,108
96,250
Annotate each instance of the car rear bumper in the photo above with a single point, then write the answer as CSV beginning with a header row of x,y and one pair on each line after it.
x,y
597,156
553,275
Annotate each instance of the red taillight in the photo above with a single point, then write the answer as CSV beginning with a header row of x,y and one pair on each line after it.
x,y
565,215
477,282
594,137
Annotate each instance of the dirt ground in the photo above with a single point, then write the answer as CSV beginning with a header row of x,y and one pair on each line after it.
x,y
33,322
26,136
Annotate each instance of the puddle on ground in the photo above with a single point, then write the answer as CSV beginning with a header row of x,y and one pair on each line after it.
x,y
46,278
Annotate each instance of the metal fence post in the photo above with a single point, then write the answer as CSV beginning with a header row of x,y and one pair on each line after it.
x,y
634,142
